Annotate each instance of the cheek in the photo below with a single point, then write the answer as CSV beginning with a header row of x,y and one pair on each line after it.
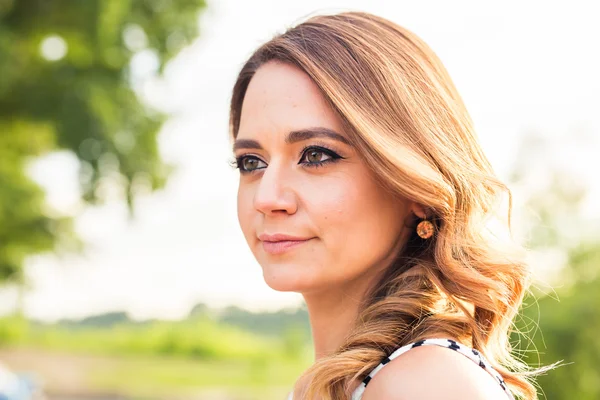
x,y
329,200
360,222
245,213
353,200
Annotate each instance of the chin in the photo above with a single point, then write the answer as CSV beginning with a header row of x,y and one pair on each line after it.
x,y
287,278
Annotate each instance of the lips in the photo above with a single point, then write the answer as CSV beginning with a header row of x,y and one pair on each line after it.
x,y
279,243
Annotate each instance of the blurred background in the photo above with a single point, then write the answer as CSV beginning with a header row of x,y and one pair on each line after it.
x,y
123,274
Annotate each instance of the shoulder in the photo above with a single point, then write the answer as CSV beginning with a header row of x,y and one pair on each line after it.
x,y
432,372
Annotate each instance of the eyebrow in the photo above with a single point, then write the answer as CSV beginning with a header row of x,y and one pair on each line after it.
x,y
295,136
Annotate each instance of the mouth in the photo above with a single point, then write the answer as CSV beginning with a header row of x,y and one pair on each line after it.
x,y
279,244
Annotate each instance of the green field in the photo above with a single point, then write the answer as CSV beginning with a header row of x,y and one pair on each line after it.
x,y
197,358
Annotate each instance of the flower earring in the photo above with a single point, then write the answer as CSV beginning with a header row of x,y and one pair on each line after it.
x,y
425,229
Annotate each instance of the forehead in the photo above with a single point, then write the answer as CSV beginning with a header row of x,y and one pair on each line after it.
x,y
281,97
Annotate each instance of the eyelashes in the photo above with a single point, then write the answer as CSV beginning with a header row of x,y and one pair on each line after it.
x,y
310,157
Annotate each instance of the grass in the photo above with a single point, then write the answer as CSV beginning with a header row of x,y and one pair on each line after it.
x,y
152,377
156,376
199,359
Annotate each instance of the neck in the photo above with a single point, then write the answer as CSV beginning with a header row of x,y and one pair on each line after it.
x,y
333,313
333,310
330,324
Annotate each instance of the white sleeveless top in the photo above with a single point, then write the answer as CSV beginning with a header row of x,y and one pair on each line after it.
x,y
470,353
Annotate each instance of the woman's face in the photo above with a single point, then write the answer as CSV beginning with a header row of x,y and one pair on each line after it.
x,y
308,205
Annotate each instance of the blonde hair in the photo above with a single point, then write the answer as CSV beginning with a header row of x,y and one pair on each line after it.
x,y
403,114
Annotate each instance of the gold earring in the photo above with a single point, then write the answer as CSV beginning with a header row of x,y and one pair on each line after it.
x,y
425,229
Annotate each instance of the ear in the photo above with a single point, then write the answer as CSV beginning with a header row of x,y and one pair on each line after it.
x,y
418,210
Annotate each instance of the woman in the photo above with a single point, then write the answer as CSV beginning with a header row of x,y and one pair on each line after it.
x,y
363,187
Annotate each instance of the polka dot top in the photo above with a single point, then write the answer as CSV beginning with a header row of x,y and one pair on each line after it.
x,y
471,354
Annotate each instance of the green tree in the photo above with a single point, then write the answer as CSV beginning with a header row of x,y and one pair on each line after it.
x,y
563,322
66,84
569,330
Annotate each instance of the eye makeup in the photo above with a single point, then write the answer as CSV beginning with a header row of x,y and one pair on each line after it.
x,y
311,156
311,151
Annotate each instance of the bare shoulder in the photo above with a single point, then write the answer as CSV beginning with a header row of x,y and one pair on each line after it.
x,y
433,372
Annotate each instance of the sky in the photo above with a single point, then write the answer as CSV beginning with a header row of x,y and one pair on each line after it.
x,y
520,67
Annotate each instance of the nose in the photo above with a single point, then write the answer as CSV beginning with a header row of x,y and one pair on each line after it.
x,y
275,194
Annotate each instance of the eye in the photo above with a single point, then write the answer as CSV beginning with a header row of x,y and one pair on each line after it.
x,y
250,163
317,156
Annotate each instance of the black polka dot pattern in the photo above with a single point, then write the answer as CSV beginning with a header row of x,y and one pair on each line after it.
x,y
471,354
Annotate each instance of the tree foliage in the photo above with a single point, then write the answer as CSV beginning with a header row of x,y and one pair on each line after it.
x,y
562,322
66,83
